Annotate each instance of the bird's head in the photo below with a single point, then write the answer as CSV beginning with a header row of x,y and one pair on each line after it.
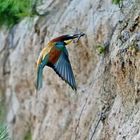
x,y
67,39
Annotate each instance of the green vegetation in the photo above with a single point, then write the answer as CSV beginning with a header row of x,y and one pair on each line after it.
x,y
12,11
117,1
28,135
3,132
2,108
100,49
3,129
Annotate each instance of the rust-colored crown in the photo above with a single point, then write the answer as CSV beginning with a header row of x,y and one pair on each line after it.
x,y
61,38
67,37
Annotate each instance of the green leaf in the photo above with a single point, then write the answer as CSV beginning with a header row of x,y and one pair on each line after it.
x,y
4,132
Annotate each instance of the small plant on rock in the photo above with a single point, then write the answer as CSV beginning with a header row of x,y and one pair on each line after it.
x,y
117,1
100,49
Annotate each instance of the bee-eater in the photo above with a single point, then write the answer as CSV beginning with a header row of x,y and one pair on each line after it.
x,y
55,55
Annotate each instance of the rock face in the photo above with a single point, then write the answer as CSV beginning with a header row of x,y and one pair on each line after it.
x,y
107,103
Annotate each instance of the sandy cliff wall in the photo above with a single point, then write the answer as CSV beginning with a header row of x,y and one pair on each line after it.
x,y
107,83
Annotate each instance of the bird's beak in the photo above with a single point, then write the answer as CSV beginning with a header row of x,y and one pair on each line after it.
x,y
78,35
71,37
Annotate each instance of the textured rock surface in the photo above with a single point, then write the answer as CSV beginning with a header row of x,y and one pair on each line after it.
x,y
107,83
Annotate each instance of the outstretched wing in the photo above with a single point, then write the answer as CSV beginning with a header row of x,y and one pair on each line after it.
x,y
63,68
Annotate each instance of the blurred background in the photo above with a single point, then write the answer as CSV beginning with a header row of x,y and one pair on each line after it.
x,y
106,65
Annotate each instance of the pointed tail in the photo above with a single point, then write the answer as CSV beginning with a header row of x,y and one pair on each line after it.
x,y
39,77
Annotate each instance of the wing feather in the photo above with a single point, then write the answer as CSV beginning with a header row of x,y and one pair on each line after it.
x,y
63,68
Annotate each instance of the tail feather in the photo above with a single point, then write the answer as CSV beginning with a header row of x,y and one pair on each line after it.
x,y
39,77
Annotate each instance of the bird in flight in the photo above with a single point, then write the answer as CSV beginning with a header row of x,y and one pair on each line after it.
x,y
55,55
